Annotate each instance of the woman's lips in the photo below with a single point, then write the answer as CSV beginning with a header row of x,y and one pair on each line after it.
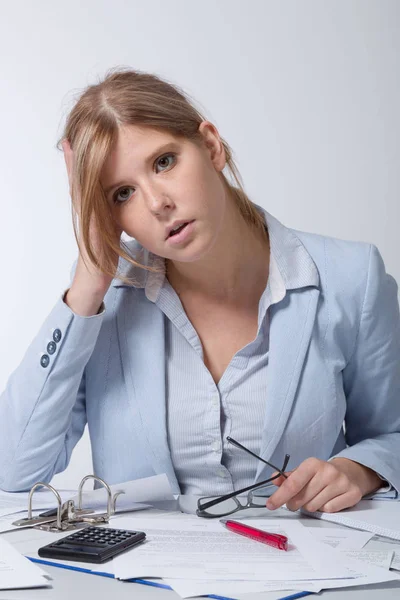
x,y
182,235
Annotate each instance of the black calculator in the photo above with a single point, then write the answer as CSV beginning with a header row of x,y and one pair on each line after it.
x,y
93,544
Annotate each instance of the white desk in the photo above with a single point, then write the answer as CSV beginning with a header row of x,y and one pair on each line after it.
x,y
69,585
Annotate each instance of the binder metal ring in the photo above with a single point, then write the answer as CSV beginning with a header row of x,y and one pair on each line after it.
x,y
110,510
57,495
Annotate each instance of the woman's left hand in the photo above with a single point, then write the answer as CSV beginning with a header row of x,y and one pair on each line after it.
x,y
325,486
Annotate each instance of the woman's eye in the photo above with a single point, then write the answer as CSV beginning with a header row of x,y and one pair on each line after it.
x,y
123,194
163,161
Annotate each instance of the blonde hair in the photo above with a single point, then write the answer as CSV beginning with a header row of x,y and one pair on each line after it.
x,y
129,97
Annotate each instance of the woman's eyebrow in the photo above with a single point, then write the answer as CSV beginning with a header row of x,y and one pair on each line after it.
x,y
167,146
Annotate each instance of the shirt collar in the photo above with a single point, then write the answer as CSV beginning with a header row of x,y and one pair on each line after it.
x,y
290,263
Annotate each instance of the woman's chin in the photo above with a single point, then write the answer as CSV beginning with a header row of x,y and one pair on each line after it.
x,y
195,251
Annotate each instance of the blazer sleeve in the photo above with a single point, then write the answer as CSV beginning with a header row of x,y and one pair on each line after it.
x,y
372,378
42,409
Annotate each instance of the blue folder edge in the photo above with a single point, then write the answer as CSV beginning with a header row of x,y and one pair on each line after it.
x,y
145,581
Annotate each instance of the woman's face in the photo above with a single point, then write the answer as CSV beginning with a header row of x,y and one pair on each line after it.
x,y
155,181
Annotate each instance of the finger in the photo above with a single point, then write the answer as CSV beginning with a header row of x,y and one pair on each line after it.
x,y
294,483
287,473
279,478
325,476
346,500
312,489
326,494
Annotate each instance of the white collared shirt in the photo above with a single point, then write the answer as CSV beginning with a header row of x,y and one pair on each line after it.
x,y
201,413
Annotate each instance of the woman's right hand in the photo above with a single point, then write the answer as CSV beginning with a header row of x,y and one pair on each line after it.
x,y
89,285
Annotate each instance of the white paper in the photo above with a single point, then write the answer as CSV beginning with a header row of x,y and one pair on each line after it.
x,y
16,571
188,588
148,490
381,518
334,537
372,557
231,589
200,549
396,561
346,539
362,574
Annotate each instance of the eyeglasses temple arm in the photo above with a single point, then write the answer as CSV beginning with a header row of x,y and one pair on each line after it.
x,y
235,443
285,464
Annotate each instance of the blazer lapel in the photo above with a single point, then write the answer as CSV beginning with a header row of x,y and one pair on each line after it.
x,y
291,325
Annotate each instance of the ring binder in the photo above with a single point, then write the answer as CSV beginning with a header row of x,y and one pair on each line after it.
x,y
68,517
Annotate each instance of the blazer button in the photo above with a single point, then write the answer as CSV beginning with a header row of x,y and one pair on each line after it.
x,y
44,361
57,335
51,347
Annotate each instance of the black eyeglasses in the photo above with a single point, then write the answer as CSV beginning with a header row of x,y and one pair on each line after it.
x,y
210,507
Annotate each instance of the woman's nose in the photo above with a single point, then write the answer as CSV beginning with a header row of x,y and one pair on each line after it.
x,y
157,202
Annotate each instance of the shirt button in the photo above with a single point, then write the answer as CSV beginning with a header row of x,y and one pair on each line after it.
x,y
222,473
44,361
57,335
215,446
51,347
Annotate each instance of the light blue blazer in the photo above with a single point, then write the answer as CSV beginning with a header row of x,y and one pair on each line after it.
x,y
334,359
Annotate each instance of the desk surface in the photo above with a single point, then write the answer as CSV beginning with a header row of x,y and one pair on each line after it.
x,y
71,584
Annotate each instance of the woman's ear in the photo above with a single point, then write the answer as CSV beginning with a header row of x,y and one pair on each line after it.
x,y
213,144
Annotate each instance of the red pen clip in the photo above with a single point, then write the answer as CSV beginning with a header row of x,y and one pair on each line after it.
x,y
271,539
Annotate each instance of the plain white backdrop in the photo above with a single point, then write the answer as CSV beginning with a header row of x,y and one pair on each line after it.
x,y
306,92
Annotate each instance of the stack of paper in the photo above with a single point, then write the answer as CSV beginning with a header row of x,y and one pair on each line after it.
x,y
197,557
379,517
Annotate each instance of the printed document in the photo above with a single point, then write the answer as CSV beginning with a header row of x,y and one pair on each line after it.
x,y
202,549
343,538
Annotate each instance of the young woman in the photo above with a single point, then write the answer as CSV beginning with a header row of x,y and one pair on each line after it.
x,y
215,320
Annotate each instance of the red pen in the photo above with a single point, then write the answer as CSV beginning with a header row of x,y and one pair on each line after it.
x,y
271,539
